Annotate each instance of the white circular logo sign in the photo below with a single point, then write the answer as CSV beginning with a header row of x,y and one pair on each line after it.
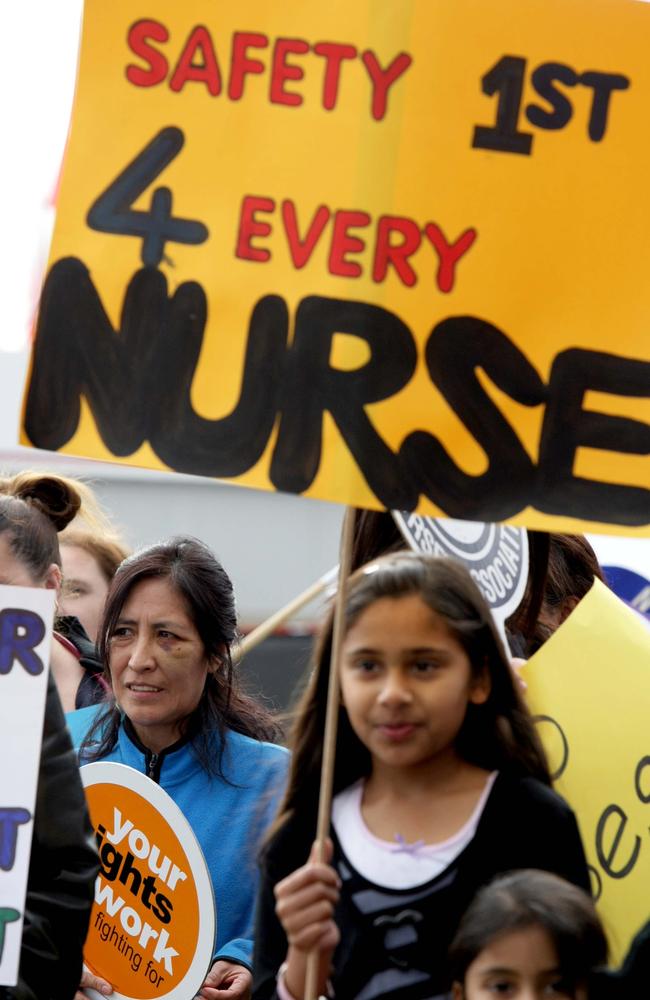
x,y
496,555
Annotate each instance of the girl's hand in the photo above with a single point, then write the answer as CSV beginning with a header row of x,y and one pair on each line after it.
x,y
227,981
91,982
305,902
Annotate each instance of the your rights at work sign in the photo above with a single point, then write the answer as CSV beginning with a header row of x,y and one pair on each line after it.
x,y
153,923
386,254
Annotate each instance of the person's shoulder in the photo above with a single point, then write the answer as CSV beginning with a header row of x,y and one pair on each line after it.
x,y
255,760
256,749
532,795
81,721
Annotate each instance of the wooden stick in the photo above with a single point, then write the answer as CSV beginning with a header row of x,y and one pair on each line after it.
x,y
331,723
262,631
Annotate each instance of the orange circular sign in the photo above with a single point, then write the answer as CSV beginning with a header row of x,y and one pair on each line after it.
x,y
153,924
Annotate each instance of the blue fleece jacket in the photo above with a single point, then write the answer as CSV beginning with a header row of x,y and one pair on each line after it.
x,y
228,820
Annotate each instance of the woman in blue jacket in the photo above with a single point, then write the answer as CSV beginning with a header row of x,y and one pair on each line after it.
x,y
177,714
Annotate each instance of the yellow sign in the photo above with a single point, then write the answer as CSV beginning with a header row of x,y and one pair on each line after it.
x,y
392,254
152,927
589,685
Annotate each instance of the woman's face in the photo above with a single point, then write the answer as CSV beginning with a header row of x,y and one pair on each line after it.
x,y
157,662
518,965
85,588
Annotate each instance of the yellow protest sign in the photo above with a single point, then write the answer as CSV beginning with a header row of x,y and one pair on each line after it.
x,y
386,254
590,687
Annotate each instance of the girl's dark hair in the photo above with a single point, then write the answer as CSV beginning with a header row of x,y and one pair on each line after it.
x,y
498,734
33,508
198,577
531,898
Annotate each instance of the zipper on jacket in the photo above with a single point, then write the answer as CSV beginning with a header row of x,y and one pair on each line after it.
x,y
153,769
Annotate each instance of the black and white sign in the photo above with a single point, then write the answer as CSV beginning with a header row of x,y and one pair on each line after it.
x,y
496,555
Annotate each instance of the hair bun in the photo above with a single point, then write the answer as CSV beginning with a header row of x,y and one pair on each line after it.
x,y
55,497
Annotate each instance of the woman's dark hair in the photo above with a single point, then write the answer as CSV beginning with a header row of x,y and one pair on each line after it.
x,y
375,534
198,577
561,582
531,898
498,734
33,509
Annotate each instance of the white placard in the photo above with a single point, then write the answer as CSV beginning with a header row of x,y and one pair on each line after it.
x,y
26,615
496,556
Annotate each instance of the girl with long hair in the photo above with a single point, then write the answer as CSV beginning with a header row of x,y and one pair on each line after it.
x,y
440,783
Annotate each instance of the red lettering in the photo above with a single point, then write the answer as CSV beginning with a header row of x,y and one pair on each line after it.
x,y
302,249
282,70
241,66
343,243
383,79
249,226
448,253
333,53
396,254
138,37
207,71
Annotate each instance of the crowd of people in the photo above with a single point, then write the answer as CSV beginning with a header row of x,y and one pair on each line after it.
x,y
453,869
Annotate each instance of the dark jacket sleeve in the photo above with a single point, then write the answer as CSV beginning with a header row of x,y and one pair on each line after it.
x,y
539,830
62,871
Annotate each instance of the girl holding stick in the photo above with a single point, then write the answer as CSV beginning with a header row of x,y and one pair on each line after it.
x,y
440,783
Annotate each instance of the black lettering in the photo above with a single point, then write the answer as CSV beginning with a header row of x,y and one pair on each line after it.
x,y
148,888
596,883
110,860
455,349
233,444
603,84
112,211
561,767
607,857
137,380
163,908
129,869
544,79
77,352
568,427
313,387
644,796
506,78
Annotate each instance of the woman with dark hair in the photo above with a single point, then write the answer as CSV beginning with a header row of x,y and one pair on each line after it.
x,y
178,715
440,782
529,934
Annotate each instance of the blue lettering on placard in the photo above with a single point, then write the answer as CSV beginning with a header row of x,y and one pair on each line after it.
x,y
10,820
20,632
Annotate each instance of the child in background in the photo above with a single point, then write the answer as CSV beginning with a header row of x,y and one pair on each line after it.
x,y
440,784
528,935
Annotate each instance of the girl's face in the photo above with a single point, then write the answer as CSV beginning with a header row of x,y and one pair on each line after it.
x,y
518,965
157,661
406,682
